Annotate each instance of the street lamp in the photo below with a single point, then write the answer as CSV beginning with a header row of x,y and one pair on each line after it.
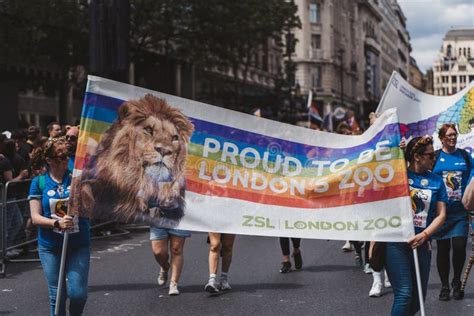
x,y
341,60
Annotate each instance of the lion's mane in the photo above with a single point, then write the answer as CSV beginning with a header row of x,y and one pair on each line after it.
x,y
137,172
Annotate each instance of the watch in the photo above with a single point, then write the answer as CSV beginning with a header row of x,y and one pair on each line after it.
x,y
56,224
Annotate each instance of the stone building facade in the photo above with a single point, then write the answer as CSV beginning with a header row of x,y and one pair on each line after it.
x,y
347,51
454,68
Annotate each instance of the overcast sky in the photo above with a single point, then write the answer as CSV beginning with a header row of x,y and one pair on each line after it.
x,y
429,20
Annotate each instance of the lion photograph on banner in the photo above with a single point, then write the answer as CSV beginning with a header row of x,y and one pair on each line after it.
x,y
137,171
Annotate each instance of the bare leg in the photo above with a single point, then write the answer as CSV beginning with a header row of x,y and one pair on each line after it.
x,y
160,251
227,248
214,249
177,259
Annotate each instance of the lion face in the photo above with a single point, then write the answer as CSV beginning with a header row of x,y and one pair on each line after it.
x,y
139,162
162,146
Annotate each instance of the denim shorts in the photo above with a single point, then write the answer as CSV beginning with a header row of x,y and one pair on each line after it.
x,y
163,233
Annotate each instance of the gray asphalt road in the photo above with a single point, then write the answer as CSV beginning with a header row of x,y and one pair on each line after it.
x,y
123,282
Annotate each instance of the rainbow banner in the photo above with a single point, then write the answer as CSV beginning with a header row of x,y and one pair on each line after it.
x,y
244,174
423,114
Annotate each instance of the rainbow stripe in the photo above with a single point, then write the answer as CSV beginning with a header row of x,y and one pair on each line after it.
x,y
100,111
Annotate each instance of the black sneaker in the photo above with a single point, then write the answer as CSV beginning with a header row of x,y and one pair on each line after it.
x,y
457,293
298,260
444,294
285,267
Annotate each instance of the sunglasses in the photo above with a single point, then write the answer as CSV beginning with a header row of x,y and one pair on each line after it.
x,y
71,138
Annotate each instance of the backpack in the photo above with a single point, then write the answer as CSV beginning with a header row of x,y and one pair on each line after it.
x,y
41,182
464,154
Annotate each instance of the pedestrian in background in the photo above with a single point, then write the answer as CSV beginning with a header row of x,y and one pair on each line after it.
x,y
72,135
54,130
454,165
49,195
285,249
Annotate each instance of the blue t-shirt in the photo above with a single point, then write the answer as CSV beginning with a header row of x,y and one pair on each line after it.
x,y
70,164
426,189
453,169
54,199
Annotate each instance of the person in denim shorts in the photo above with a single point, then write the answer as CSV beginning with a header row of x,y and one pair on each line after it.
x,y
163,239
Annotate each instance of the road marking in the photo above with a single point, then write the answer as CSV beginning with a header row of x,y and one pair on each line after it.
x,y
120,248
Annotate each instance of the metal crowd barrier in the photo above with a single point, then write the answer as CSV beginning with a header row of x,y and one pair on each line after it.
x,y
17,231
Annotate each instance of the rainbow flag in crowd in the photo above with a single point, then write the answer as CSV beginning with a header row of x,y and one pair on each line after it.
x,y
423,114
249,175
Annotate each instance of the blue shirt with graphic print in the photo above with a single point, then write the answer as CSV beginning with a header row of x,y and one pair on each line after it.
x,y
54,199
426,189
454,171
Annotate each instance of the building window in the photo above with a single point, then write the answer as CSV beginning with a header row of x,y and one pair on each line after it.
x,y
315,41
462,67
316,77
453,79
471,78
448,51
464,51
468,52
313,12
460,52
453,90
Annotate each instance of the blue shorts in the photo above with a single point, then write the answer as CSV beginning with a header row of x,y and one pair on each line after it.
x,y
163,233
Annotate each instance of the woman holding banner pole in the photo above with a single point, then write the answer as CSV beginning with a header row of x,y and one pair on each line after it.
x,y
429,211
455,166
49,195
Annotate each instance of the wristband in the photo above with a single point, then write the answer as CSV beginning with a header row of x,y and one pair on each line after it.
x,y
56,224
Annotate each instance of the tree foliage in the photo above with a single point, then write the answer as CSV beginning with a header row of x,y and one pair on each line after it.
x,y
43,31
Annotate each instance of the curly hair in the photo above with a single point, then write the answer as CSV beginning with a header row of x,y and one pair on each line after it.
x,y
43,151
417,145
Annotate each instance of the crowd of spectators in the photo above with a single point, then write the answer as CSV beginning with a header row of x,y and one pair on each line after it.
x,y
17,148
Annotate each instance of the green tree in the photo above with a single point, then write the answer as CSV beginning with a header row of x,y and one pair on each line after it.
x,y
49,34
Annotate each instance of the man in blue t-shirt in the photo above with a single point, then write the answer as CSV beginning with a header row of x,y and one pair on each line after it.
x,y
72,135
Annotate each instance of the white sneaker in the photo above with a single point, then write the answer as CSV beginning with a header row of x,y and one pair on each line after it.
x,y
211,286
367,269
173,289
376,290
347,246
225,286
386,282
162,277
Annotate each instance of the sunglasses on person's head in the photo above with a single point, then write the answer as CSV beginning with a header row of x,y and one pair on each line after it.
x,y
424,140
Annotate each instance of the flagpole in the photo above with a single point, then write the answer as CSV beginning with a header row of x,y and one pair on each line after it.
x,y
394,73
61,273
308,105
418,282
